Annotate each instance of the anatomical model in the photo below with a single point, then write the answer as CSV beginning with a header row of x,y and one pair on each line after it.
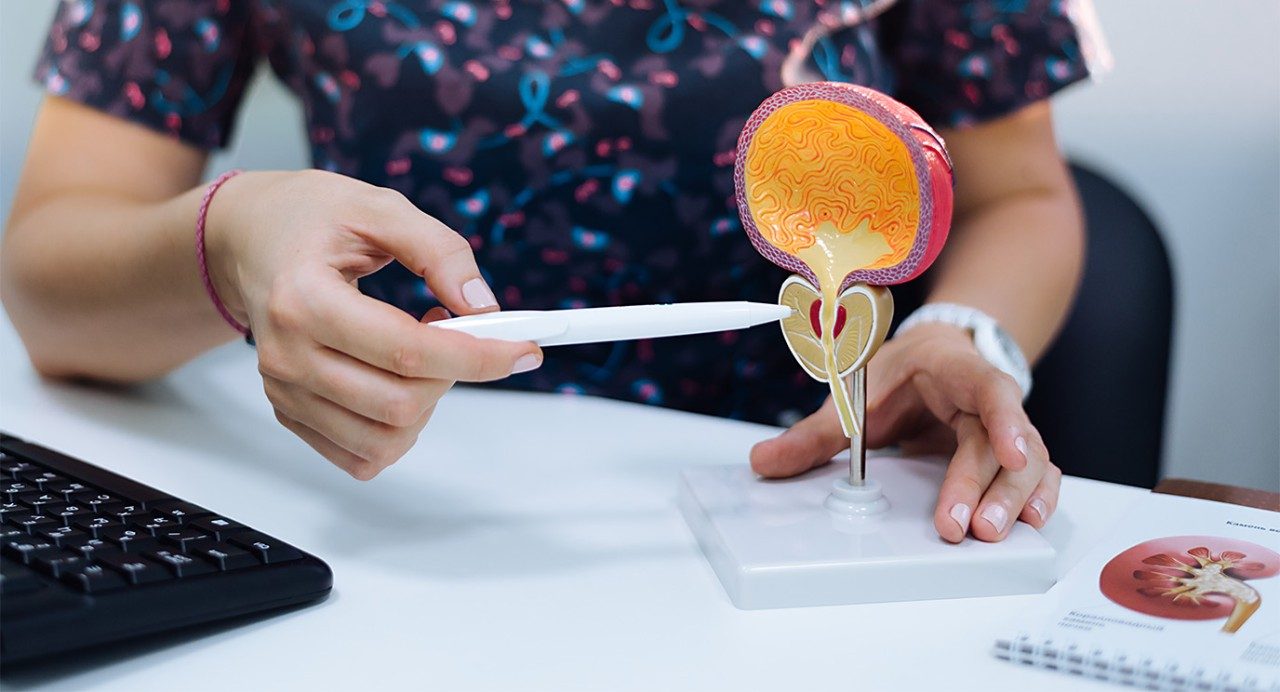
x,y
852,191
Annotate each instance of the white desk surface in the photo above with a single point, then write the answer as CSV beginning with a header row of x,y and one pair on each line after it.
x,y
527,542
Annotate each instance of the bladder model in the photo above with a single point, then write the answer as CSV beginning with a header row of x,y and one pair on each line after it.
x,y
852,191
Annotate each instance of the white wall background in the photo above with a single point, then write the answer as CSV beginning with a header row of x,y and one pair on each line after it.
x,y
1189,121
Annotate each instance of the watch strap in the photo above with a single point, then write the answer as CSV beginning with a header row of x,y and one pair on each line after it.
x,y
971,318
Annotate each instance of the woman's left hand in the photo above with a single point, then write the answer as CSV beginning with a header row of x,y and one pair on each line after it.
x,y
929,391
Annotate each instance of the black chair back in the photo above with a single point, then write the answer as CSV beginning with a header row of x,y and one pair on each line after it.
x,y
1100,392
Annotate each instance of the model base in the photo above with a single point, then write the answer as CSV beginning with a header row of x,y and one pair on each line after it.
x,y
816,540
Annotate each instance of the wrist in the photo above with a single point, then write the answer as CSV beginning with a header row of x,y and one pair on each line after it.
x,y
937,334
992,342
221,253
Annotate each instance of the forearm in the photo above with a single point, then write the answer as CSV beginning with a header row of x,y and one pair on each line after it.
x,y
1017,242
1017,258
99,285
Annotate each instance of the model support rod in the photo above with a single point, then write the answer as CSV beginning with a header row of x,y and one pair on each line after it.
x,y
857,383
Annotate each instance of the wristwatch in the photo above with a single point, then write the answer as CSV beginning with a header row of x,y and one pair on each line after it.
x,y
993,343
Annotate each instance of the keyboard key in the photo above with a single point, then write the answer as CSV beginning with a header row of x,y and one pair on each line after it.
x,y
16,578
178,510
51,508
24,550
55,564
95,500
125,512
7,532
39,477
34,522
269,550
220,527
92,525
67,489
128,538
38,500
62,534
226,557
67,514
186,539
93,578
9,509
181,565
12,467
88,547
134,568
12,488
158,525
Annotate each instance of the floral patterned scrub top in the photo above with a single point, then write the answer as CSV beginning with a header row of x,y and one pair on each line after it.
x,y
584,147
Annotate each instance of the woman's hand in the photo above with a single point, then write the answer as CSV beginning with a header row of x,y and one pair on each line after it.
x,y
355,378
929,391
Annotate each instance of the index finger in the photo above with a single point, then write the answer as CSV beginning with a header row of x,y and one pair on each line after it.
x,y
430,249
388,338
975,386
970,472
1015,440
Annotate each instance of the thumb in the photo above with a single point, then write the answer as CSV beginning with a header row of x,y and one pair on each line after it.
x,y
429,249
809,443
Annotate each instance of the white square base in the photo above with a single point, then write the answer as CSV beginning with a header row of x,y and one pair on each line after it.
x,y
774,545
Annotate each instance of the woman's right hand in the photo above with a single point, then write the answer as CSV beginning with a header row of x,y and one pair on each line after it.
x,y
354,377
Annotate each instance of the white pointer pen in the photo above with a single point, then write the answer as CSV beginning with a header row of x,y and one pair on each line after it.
x,y
594,325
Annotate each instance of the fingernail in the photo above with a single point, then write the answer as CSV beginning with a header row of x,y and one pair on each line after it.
x,y
997,516
477,294
526,363
1021,444
960,512
1041,508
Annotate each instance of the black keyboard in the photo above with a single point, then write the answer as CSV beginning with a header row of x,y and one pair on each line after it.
x,y
88,556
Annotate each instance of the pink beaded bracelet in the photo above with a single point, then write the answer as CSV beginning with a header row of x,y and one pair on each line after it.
x,y
200,252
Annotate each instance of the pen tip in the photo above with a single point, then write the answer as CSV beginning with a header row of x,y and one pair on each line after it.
x,y
775,312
